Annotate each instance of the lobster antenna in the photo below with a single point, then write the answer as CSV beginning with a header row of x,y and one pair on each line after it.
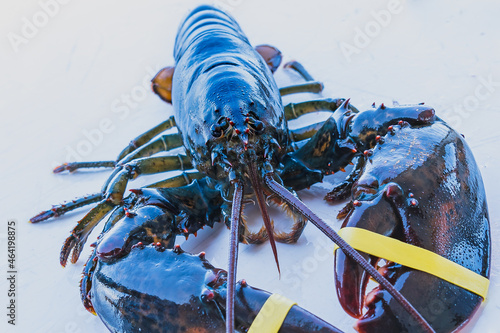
x,y
284,194
233,253
263,209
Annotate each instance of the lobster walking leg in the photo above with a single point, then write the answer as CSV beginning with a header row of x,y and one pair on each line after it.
x,y
66,207
114,196
82,230
147,136
311,87
163,144
297,66
183,179
72,166
295,110
134,144
305,132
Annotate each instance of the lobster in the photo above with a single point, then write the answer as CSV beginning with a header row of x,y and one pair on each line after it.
x,y
233,126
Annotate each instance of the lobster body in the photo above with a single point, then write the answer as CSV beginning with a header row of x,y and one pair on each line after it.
x,y
228,111
223,92
415,180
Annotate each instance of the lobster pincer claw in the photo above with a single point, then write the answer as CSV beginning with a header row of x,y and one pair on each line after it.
x,y
327,150
421,191
182,291
350,279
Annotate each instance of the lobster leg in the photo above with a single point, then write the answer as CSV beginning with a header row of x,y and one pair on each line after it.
x,y
312,87
295,110
177,181
305,132
82,230
117,182
113,196
163,143
72,166
297,66
146,137
58,210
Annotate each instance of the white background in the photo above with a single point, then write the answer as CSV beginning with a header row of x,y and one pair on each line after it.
x,y
79,67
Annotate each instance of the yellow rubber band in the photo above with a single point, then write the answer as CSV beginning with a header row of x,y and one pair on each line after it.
x,y
415,257
272,315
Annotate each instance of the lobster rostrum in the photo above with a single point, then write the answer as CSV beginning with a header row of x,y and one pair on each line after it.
x,y
233,126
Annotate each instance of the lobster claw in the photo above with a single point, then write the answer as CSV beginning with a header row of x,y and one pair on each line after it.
x,y
376,215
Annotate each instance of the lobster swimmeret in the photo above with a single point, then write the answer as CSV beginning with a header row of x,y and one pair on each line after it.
x,y
414,180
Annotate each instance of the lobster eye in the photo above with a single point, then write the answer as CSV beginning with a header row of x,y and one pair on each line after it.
x,y
216,131
223,124
258,126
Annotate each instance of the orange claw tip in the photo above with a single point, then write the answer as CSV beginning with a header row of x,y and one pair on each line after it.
x,y
356,203
201,255
43,216
382,106
60,168
354,150
244,283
